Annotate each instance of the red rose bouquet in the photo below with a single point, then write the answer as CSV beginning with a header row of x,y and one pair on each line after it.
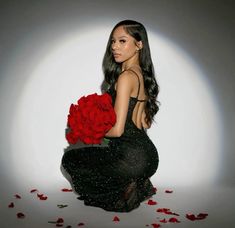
x,y
90,119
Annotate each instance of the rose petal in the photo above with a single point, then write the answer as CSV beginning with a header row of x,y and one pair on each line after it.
x,y
166,211
168,191
163,220
202,215
154,189
116,219
42,197
193,217
20,215
66,190
174,220
151,202
60,220
81,224
11,205
162,210
59,224
17,196
171,213
33,190
155,225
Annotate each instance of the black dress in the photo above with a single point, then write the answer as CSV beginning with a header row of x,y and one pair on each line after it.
x,y
115,176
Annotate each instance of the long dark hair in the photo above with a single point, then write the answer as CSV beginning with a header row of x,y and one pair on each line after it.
x,y
112,69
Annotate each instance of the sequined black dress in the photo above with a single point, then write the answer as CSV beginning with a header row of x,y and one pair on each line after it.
x,y
114,177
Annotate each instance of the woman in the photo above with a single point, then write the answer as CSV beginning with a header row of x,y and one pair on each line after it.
x,y
116,177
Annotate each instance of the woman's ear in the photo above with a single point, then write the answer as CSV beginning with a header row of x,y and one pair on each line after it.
x,y
139,44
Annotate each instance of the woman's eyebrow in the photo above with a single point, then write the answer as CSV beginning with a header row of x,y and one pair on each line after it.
x,y
120,37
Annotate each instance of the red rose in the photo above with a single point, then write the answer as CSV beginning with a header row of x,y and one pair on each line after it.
x,y
90,119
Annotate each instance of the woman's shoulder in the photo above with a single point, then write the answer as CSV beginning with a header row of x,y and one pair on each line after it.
x,y
125,78
128,76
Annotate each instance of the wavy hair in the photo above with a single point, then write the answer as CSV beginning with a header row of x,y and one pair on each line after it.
x,y
112,69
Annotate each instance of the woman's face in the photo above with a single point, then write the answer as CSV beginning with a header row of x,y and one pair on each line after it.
x,y
123,45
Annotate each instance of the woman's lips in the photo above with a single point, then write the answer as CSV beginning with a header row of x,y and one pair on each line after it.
x,y
116,54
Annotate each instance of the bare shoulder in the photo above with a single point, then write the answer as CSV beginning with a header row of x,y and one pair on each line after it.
x,y
131,75
125,78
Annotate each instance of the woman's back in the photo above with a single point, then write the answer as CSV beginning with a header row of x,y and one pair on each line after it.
x,y
138,93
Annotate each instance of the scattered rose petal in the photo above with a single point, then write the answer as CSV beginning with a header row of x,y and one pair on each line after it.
x,y
11,205
154,189
20,215
151,202
163,220
81,224
17,196
33,190
68,227
155,225
202,215
162,210
60,220
193,217
66,190
168,191
171,213
174,220
42,197
116,219
166,211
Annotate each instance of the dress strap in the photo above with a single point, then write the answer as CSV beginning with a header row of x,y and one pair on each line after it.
x,y
138,86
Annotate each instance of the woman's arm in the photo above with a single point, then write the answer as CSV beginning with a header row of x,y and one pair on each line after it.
x,y
123,92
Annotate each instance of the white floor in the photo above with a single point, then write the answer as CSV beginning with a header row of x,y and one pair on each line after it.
x,y
218,202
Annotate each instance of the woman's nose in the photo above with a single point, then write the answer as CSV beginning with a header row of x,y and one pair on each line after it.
x,y
114,46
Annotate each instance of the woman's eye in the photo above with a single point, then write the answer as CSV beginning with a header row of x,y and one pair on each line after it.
x,y
121,41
